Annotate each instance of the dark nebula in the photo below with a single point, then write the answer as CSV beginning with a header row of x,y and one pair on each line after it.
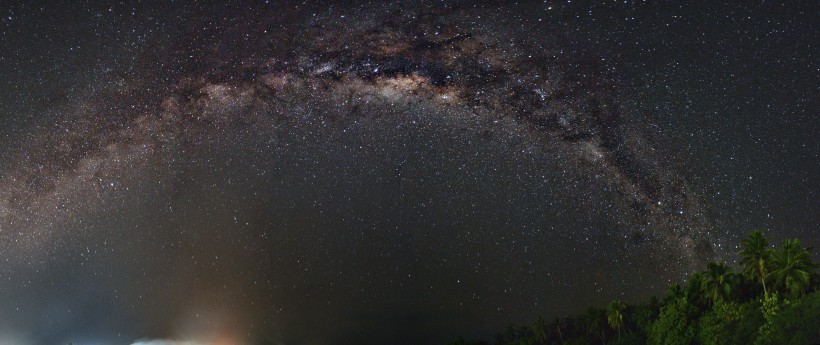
x,y
393,172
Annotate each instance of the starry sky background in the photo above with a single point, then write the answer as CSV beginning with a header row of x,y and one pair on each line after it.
x,y
294,173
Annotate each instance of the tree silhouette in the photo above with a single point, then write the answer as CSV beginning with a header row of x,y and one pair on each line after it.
x,y
524,336
674,292
539,330
595,319
715,306
755,258
717,283
676,324
791,267
615,317
558,324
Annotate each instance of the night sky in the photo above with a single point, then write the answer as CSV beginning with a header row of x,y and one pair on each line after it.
x,y
398,172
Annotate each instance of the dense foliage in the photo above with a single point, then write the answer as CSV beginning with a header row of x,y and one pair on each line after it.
x,y
773,299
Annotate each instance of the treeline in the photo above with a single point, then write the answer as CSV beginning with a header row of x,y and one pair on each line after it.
x,y
774,300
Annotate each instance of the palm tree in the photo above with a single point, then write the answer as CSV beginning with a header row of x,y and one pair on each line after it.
x,y
756,254
558,323
694,289
524,336
791,267
509,334
674,292
594,320
717,282
615,317
539,330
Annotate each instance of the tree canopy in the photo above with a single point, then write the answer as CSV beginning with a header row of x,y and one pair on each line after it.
x,y
774,299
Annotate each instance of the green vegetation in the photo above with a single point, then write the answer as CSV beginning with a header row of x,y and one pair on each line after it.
x,y
774,299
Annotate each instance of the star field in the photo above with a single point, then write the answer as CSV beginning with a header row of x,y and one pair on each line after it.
x,y
305,173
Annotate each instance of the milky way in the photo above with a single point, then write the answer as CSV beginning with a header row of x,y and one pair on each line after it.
x,y
367,67
355,167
